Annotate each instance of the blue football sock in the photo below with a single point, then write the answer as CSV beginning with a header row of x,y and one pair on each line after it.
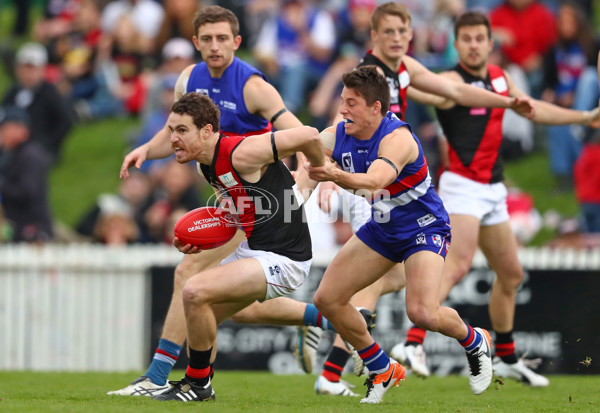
x,y
312,317
165,357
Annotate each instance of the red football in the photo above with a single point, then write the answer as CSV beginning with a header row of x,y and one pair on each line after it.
x,y
206,227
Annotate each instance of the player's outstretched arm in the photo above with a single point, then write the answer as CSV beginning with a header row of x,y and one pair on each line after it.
x,y
157,148
263,99
462,93
550,114
254,152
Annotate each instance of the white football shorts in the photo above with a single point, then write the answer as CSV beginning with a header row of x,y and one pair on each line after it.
x,y
283,274
463,196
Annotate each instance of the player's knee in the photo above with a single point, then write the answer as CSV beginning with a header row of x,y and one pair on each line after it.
x,y
423,317
183,272
194,293
322,303
511,280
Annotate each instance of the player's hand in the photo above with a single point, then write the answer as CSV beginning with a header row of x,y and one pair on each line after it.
x,y
326,189
594,118
327,172
134,158
185,248
523,106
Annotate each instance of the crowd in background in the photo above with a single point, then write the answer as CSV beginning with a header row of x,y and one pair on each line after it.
x,y
86,60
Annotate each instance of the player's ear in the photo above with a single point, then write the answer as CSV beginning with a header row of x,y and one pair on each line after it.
x,y
196,44
237,41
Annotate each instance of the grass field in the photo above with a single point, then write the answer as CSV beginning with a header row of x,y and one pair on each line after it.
x,y
265,392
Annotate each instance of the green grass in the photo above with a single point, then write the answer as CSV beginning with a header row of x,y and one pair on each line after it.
x,y
265,392
89,166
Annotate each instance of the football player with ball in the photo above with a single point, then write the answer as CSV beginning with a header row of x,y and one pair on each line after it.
x,y
275,258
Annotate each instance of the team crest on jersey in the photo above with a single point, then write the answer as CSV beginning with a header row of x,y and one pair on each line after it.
x,y
437,240
228,105
202,91
228,180
421,239
347,163
499,85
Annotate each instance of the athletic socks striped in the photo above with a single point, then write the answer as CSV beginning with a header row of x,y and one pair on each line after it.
x,y
375,359
313,317
505,347
473,340
415,336
199,369
334,365
164,359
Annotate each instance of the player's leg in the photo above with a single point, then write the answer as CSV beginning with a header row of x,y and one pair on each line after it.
x,y
174,328
423,277
465,233
355,267
499,245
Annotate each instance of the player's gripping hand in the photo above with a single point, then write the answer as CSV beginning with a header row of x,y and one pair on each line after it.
x,y
325,191
185,248
523,105
134,158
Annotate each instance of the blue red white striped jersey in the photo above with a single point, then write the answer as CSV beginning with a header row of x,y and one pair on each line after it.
x,y
411,198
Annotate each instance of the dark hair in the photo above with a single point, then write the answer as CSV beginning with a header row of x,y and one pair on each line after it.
x,y
369,83
202,110
216,14
392,9
472,18
584,35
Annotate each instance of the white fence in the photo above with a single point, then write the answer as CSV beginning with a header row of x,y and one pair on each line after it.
x,y
86,307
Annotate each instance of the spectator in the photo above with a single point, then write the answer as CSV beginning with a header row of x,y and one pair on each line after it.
x,y
131,201
175,189
525,29
24,169
51,117
295,48
587,185
571,81
115,225
177,54
178,22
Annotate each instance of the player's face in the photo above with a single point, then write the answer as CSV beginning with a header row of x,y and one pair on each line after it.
x,y
217,44
473,46
185,137
359,118
392,37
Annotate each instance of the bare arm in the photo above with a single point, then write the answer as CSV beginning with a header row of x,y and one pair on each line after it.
x,y
263,99
257,151
462,93
399,147
550,114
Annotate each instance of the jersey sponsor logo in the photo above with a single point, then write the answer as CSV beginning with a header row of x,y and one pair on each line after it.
x,y
478,111
347,163
274,269
499,84
216,90
228,105
421,239
404,79
426,220
394,90
202,91
437,240
228,180
363,151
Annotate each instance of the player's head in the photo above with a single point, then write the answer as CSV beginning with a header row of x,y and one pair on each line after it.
x,y
473,39
217,35
193,120
365,99
391,31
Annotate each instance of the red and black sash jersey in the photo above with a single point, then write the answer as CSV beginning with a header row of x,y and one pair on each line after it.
x,y
475,134
268,210
398,82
